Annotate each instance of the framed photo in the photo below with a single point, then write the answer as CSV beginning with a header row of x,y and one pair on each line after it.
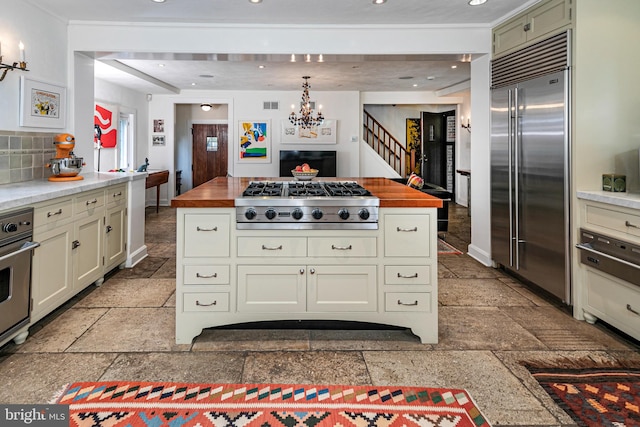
x,y
157,140
254,141
42,104
158,125
323,134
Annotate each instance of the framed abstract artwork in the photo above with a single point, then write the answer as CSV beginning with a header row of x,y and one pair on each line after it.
x,y
254,141
42,104
105,125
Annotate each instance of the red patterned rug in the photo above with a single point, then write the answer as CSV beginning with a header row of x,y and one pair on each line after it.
x,y
140,404
595,397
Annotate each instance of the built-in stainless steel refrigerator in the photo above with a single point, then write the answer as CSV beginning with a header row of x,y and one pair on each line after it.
x,y
530,159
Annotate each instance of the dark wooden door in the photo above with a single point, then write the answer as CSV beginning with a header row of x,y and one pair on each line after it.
x,y
438,149
210,152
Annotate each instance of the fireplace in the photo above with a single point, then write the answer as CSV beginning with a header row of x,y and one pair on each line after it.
x,y
324,161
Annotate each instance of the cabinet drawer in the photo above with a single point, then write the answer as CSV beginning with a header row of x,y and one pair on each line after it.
x,y
206,235
342,246
272,247
407,235
206,274
407,275
60,210
614,301
407,301
205,301
116,195
623,222
88,203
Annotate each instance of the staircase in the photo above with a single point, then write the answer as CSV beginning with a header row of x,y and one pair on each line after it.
x,y
386,145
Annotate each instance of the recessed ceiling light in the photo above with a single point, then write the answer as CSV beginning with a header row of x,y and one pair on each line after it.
x,y
381,1
454,67
415,85
261,66
477,2
255,1
193,84
158,1
160,65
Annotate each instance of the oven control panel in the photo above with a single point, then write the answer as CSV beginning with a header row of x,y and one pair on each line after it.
x,y
349,217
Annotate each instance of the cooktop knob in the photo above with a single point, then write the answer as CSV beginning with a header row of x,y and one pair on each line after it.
x,y
343,213
297,213
270,213
363,213
10,228
250,213
316,213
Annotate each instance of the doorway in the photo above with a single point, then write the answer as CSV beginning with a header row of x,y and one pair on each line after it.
x,y
210,152
438,148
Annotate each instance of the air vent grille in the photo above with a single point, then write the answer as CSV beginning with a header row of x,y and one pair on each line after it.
x,y
271,105
542,58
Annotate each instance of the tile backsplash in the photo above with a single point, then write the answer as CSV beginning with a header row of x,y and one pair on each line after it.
x,y
24,155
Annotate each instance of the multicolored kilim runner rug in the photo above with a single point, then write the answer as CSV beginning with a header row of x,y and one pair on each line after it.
x,y
594,396
444,248
120,404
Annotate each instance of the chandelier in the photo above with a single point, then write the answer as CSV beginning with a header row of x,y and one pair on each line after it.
x,y
306,120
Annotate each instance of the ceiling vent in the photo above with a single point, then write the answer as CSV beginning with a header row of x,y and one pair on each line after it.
x,y
271,105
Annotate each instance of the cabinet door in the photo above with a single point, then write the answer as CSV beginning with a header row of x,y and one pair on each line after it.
x,y
547,18
271,289
51,270
115,237
87,251
341,288
509,35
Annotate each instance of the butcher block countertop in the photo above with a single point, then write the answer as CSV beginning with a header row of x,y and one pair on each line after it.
x,y
220,193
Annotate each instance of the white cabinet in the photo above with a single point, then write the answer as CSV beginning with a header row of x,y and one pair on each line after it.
x,y
226,276
540,22
601,295
75,241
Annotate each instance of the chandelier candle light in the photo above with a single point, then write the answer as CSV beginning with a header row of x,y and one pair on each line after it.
x,y
306,120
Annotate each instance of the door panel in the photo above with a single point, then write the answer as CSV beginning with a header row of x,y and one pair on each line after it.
x,y
210,152
438,150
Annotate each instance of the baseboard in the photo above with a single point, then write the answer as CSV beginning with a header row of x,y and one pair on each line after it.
x,y
136,256
479,255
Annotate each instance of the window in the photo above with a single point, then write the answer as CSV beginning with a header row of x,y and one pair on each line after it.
x,y
126,142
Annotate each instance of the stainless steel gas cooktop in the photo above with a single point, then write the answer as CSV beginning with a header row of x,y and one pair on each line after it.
x,y
306,205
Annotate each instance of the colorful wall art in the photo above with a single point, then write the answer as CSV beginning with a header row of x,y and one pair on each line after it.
x,y
255,141
105,125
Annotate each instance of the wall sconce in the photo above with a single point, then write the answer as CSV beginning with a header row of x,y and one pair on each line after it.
x,y
467,126
21,65
206,107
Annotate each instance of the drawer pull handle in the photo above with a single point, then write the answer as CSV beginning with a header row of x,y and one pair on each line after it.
x,y
414,229
341,248
632,310
91,202
408,276
117,194
206,229
58,212
628,224
206,276
267,248
408,304
206,305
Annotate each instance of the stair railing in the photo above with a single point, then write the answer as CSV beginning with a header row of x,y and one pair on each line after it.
x,y
385,144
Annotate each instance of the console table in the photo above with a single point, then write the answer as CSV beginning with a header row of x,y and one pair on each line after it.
x,y
156,179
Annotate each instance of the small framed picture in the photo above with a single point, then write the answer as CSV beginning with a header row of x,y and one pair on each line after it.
x,y
158,125
158,140
42,104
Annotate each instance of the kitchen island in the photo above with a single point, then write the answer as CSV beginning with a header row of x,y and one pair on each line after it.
x,y
226,275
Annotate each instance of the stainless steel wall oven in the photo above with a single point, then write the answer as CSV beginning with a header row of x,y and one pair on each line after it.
x,y
16,249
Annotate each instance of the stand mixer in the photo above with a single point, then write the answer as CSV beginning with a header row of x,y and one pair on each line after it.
x,y
65,166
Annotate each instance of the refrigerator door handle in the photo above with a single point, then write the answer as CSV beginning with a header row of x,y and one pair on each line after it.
x,y
510,169
516,178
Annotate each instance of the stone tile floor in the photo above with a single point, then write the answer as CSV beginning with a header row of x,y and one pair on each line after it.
x,y
489,324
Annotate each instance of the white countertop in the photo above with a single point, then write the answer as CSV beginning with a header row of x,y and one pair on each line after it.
x,y
27,193
627,200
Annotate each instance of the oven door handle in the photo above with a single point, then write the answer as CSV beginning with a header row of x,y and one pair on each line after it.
x,y
588,248
28,246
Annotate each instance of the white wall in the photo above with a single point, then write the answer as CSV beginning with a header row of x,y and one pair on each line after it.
x,y
45,40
